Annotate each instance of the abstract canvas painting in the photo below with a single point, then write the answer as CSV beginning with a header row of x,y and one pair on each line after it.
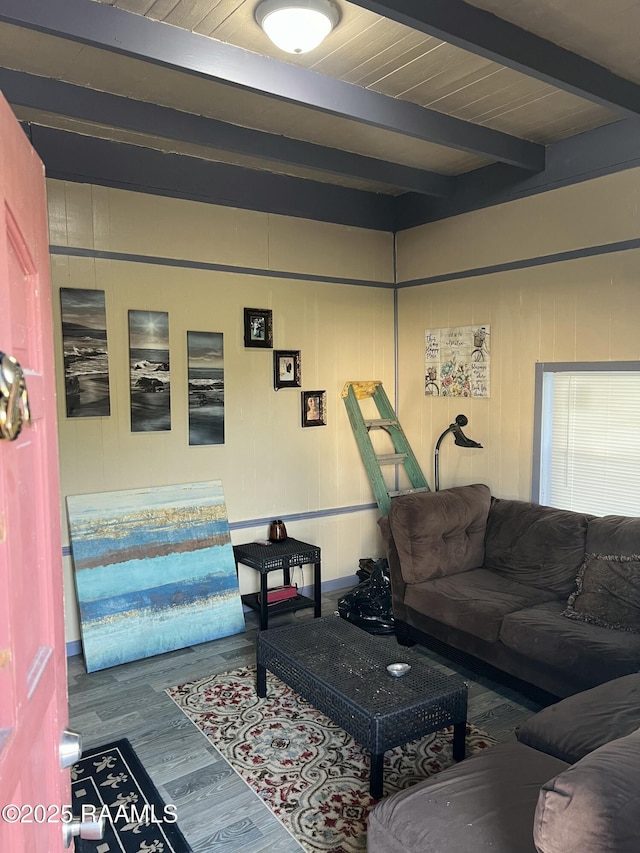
x,y
154,571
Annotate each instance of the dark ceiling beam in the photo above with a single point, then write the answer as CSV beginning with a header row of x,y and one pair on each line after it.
x,y
77,102
483,33
86,159
68,156
602,151
116,30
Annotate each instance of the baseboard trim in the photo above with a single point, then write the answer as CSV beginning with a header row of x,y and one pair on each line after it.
x,y
74,647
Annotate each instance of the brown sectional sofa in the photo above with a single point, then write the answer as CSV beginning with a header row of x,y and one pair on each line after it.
x,y
570,785
493,577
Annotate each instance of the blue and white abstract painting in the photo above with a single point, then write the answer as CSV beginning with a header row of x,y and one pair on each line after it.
x,y
154,571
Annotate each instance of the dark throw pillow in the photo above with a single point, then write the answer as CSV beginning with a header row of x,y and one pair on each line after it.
x,y
607,592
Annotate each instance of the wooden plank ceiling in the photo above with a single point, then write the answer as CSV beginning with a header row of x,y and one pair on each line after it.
x,y
403,96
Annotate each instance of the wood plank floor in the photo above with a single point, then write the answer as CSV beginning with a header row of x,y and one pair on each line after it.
x,y
217,812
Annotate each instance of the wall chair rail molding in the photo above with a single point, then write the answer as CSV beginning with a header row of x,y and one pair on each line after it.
x,y
527,263
265,521
182,263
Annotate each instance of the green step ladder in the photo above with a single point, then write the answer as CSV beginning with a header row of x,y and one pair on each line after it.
x,y
403,455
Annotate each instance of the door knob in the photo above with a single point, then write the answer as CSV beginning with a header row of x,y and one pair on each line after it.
x,y
14,401
70,748
89,830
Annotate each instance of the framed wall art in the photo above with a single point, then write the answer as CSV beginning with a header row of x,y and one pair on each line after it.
x,y
287,371
149,371
258,328
314,408
457,361
86,357
205,359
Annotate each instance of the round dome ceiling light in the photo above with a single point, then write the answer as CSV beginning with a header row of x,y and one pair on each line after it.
x,y
297,26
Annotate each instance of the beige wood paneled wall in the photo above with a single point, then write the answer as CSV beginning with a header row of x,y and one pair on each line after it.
x,y
269,465
586,309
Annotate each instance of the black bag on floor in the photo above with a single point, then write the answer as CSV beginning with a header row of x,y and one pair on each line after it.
x,y
368,605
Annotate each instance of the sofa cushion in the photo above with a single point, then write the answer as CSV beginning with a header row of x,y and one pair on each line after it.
x,y
588,654
593,805
536,545
440,533
486,802
577,725
613,534
607,592
474,601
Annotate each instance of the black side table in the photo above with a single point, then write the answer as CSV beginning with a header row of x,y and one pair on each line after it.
x,y
279,555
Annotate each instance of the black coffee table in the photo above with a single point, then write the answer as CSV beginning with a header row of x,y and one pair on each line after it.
x,y
341,671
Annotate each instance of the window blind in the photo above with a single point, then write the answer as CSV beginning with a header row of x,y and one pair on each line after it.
x,y
590,456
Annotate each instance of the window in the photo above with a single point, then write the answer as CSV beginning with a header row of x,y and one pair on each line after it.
x,y
587,437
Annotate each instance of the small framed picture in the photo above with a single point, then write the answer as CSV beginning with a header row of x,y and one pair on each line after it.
x,y
286,369
314,408
258,328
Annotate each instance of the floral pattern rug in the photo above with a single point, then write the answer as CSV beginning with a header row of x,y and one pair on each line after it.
x,y
310,773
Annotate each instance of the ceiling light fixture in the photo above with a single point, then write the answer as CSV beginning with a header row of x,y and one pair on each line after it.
x,y
297,26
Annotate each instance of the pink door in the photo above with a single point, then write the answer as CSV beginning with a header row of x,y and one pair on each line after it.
x,y
33,693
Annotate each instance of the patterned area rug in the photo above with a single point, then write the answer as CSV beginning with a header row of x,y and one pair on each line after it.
x,y
311,774
110,781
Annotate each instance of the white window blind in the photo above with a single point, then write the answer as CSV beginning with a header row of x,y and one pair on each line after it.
x,y
590,453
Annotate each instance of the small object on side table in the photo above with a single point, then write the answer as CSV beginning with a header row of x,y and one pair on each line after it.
x,y
277,531
281,593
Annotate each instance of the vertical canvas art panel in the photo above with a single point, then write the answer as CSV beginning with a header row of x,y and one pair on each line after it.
x,y
154,571
86,356
205,358
150,371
